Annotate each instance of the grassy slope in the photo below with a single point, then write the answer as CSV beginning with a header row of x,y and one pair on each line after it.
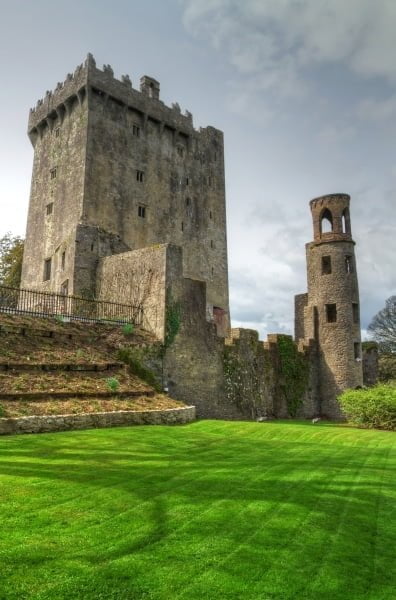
x,y
209,510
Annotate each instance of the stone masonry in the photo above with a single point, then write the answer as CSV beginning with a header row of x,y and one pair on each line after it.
x,y
128,205
116,170
329,313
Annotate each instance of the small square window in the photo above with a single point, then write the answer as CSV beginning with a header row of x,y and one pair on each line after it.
x,y
53,172
326,265
355,312
142,211
49,208
331,313
47,269
140,176
136,130
349,264
356,349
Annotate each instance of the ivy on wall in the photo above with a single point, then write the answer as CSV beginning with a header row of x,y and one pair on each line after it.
x,y
172,322
293,372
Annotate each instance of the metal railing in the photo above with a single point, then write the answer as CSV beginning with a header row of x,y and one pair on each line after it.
x,y
47,304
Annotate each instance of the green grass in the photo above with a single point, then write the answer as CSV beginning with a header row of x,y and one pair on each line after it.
x,y
211,510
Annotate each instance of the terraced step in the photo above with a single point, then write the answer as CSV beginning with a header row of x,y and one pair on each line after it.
x,y
37,396
30,366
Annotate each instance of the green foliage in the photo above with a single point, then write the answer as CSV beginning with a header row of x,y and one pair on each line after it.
x,y
113,384
374,407
11,256
383,326
172,322
133,358
212,510
128,329
369,345
387,367
294,372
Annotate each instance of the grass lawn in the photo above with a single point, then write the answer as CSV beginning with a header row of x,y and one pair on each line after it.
x,y
211,510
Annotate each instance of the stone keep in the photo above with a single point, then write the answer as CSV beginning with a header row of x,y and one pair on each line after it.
x,y
329,312
117,170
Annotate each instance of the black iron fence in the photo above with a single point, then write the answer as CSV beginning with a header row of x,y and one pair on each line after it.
x,y
47,304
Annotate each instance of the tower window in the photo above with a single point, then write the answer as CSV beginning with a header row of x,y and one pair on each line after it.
x,y
142,211
331,313
182,226
326,222
188,201
348,264
187,181
136,130
140,176
326,265
356,349
53,172
355,312
63,260
210,215
47,269
211,244
49,208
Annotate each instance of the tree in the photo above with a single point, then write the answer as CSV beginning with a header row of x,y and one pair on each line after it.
x,y
11,255
383,326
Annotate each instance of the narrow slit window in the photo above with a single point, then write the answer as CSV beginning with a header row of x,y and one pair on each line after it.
x,y
47,269
53,172
210,215
331,313
348,264
63,260
182,226
135,130
326,265
142,211
355,312
356,349
211,244
187,181
188,201
49,208
140,176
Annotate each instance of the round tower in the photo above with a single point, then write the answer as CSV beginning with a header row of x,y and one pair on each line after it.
x,y
334,296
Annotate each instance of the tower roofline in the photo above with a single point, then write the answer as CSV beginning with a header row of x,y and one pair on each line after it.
x,y
329,198
87,76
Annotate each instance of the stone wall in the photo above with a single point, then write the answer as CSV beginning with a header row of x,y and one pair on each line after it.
x,y
138,278
370,363
41,424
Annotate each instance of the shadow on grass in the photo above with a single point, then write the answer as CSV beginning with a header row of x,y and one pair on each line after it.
x,y
200,471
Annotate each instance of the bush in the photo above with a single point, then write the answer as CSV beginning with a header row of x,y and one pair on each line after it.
x,y
128,329
113,384
374,407
387,367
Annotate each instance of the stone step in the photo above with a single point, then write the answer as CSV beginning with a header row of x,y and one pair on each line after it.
x,y
84,367
79,395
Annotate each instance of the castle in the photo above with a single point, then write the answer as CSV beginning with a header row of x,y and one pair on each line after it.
x,y
128,204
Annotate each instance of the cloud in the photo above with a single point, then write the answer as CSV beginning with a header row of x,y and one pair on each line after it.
x,y
276,45
377,109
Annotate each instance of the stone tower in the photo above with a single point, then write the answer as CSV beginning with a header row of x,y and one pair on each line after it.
x,y
329,312
115,170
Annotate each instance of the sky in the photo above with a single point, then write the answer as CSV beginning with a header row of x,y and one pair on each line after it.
x,y
304,90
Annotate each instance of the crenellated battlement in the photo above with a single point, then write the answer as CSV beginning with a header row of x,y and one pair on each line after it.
x,y
88,78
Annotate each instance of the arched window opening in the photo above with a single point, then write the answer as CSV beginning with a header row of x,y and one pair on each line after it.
x,y
326,222
346,224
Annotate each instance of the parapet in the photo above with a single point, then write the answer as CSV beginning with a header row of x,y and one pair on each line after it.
x,y
87,77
